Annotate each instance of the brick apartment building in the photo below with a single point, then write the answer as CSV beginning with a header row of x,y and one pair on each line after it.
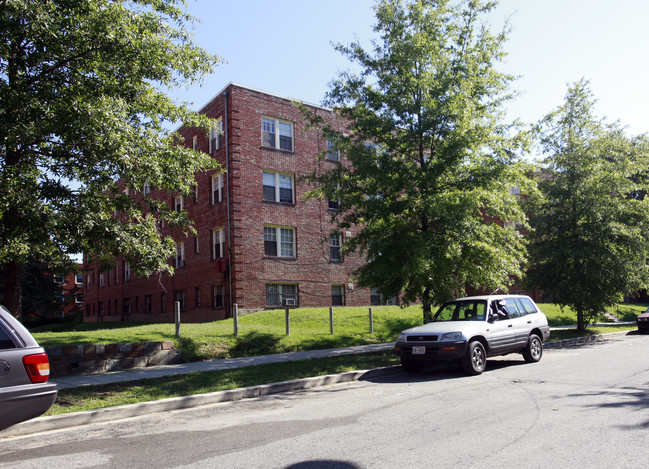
x,y
260,242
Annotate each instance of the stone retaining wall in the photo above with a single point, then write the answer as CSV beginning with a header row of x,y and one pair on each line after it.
x,y
86,359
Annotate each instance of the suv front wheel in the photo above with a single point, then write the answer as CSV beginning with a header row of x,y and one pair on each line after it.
x,y
474,361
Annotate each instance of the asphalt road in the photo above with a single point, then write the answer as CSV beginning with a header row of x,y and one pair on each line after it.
x,y
585,406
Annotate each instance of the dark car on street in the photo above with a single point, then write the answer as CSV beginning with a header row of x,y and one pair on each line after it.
x,y
468,330
643,322
25,392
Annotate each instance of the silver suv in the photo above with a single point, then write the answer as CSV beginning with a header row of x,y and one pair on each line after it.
x,y
468,330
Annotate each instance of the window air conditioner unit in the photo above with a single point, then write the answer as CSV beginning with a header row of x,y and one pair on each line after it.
x,y
289,301
350,287
348,234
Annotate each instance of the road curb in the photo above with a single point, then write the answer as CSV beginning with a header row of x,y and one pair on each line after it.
x,y
108,414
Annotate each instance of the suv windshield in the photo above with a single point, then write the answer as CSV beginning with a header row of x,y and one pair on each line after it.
x,y
471,310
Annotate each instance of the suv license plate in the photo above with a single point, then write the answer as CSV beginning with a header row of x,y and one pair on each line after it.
x,y
419,350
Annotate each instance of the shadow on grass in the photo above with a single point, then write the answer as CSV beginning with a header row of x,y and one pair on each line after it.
x,y
255,343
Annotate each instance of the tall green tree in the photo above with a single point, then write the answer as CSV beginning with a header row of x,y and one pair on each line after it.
x,y
590,242
429,161
84,114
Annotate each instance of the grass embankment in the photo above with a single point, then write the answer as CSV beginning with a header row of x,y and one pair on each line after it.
x,y
260,333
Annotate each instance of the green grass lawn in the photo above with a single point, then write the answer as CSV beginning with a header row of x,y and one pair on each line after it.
x,y
265,332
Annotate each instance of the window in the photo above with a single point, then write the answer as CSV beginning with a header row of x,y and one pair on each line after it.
x,y
216,136
333,204
78,297
194,142
179,297
279,241
137,303
276,134
333,154
163,300
116,274
148,304
147,189
334,247
278,187
127,271
101,280
218,240
196,244
179,203
337,295
218,296
100,308
281,295
217,188
78,279
197,296
126,306
180,255
376,298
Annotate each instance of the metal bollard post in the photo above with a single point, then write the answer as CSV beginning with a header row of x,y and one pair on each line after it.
x,y
331,320
288,322
371,321
177,317
236,320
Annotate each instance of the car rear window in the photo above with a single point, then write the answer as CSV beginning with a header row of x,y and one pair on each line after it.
x,y
5,340
528,306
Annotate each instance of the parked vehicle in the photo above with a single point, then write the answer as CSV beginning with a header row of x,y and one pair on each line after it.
x,y
643,322
468,330
24,372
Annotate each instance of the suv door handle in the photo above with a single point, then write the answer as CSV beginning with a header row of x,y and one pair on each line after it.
x,y
511,325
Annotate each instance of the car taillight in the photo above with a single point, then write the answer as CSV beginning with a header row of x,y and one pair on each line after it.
x,y
37,367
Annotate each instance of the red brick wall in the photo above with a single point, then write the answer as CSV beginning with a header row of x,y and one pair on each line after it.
x,y
310,269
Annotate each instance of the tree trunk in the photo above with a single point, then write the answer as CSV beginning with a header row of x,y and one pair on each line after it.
x,y
426,303
12,288
581,325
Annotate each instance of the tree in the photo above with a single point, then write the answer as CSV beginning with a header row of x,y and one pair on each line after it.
x,y
84,119
590,244
430,162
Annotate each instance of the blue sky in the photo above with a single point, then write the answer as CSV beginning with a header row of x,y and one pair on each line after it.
x,y
284,47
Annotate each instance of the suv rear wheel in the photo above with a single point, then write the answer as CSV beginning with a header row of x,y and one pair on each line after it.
x,y
474,361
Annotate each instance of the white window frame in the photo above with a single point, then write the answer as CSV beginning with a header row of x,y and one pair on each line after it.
x,y
341,293
180,255
218,292
78,280
216,136
194,142
271,136
333,154
127,271
335,245
218,243
101,280
284,291
277,180
179,203
146,190
278,236
217,188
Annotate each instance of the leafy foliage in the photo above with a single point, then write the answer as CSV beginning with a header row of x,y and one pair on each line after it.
x,y
590,246
84,114
430,161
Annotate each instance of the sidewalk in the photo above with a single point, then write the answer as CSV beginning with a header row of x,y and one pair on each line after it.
x,y
223,364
